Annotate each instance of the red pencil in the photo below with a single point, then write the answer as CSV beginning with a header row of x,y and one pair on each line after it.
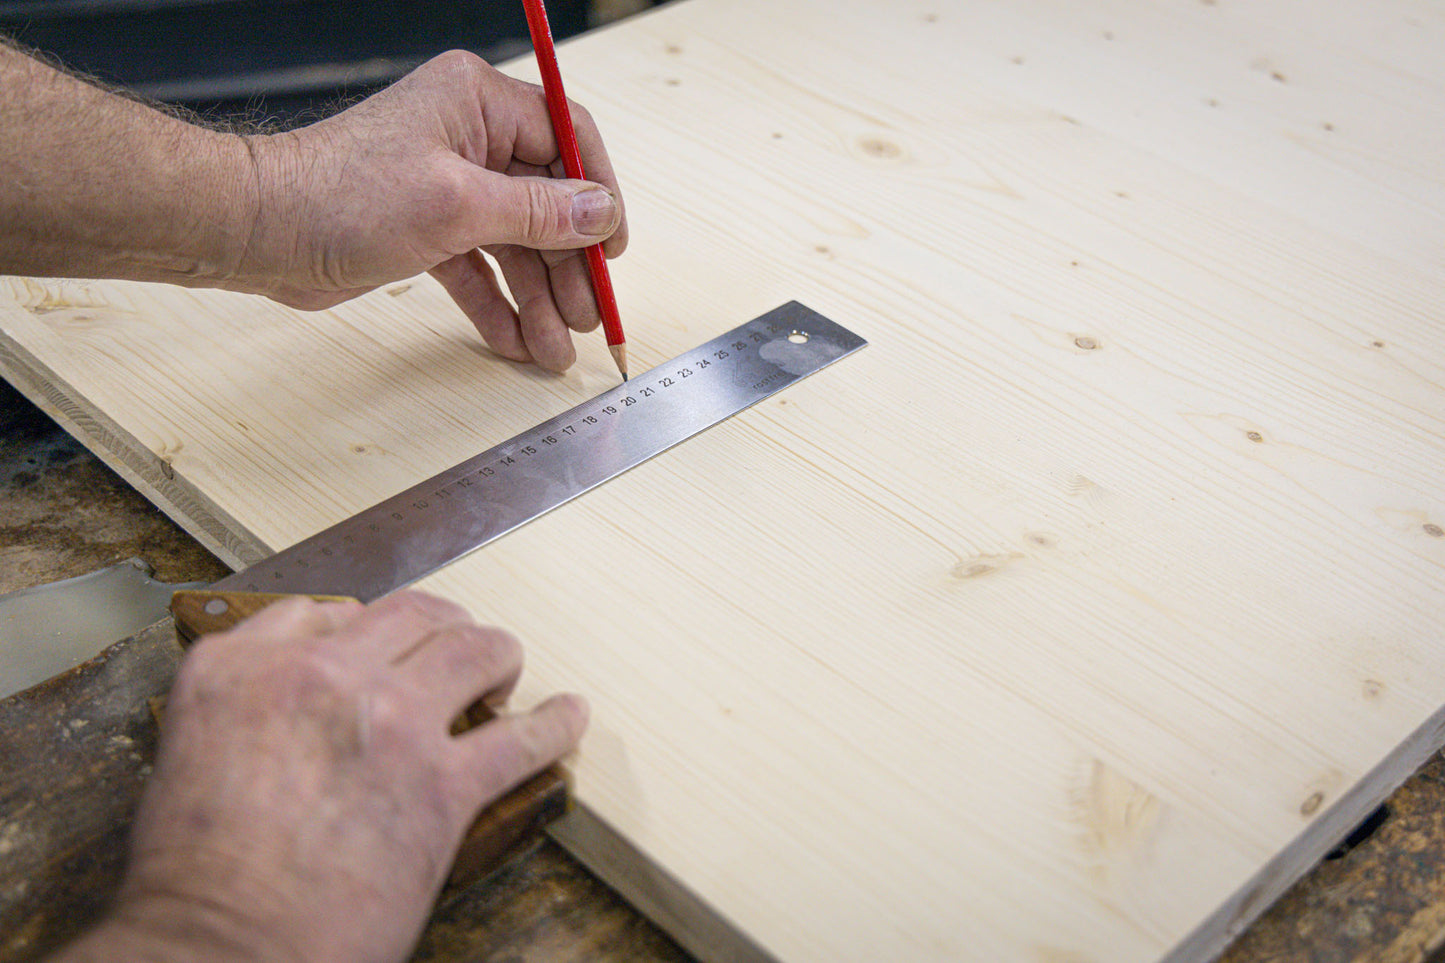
x,y
572,164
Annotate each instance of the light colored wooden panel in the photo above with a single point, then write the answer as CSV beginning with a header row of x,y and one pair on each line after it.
x,y
1072,618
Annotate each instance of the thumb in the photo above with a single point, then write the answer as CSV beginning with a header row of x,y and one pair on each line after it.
x,y
543,213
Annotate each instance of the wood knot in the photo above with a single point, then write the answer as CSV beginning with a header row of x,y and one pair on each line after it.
x,y
981,565
1086,343
880,148
1312,803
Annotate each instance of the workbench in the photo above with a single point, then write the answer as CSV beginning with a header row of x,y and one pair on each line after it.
x,y
1381,900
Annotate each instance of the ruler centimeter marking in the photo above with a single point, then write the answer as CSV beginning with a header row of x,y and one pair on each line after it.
x,y
414,533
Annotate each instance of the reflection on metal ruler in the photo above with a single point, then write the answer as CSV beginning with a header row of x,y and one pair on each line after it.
x,y
411,535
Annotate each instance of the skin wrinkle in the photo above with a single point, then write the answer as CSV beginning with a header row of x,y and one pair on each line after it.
x,y
254,214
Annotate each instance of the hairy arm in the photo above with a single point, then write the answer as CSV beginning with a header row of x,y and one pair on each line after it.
x,y
106,187
453,160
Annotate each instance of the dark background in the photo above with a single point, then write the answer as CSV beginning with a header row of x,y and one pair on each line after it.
x,y
277,61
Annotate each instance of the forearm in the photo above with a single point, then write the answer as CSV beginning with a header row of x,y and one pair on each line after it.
x,y
95,185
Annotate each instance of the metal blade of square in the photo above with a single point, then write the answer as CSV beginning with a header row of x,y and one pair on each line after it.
x,y
414,533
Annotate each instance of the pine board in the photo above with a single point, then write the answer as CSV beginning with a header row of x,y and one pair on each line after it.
x,y
1074,617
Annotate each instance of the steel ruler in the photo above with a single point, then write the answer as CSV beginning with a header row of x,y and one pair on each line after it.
x,y
416,532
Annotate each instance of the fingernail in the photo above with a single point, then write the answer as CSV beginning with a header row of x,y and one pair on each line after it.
x,y
594,212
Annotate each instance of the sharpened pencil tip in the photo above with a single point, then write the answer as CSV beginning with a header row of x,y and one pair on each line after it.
x,y
619,355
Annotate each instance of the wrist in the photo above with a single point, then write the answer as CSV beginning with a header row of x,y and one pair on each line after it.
x,y
262,262
170,930
196,229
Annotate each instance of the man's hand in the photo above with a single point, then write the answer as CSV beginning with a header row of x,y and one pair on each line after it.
x,y
454,157
308,797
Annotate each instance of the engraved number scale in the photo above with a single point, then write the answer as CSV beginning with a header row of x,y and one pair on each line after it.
x,y
416,532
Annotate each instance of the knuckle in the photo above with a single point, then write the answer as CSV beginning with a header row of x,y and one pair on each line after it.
x,y
426,607
501,645
545,217
390,723
460,63
580,115
305,670
485,654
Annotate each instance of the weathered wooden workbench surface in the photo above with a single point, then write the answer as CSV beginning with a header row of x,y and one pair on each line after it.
x,y
1381,900
1077,615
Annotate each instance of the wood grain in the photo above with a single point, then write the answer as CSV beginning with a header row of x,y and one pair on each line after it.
x,y
1073,618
